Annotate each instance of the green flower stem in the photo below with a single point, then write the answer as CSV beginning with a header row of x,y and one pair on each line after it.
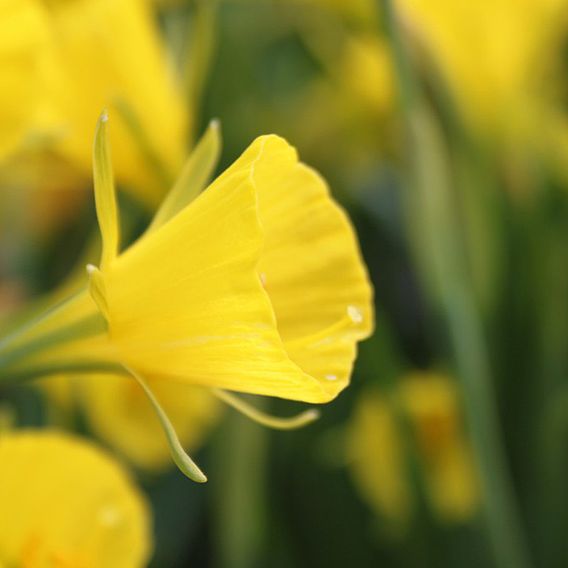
x,y
240,491
441,255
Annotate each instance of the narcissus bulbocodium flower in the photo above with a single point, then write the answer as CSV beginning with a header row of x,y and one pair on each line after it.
x,y
66,503
64,61
255,286
379,451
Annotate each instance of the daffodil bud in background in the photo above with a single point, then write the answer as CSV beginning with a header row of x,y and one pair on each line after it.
x,y
422,419
66,503
69,60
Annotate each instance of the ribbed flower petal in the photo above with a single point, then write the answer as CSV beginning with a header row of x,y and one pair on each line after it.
x,y
186,301
311,267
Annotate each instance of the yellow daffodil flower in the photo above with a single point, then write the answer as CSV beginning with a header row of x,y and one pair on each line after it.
x,y
65,503
256,286
378,450
76,57
262,259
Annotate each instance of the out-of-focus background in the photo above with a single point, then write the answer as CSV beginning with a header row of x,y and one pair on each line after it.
x,y
442,127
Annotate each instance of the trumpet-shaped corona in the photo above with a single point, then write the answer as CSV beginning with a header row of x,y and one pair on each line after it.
x,y
257,286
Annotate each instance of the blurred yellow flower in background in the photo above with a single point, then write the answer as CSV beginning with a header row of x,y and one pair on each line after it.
x,y
22,39
423,416
119,413
351,93
376,454
71,59
65,503
501,60
433,407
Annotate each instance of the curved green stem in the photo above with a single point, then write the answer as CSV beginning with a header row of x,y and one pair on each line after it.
x,y
186,465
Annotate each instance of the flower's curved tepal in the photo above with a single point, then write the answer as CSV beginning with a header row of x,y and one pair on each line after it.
x,y
256,286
